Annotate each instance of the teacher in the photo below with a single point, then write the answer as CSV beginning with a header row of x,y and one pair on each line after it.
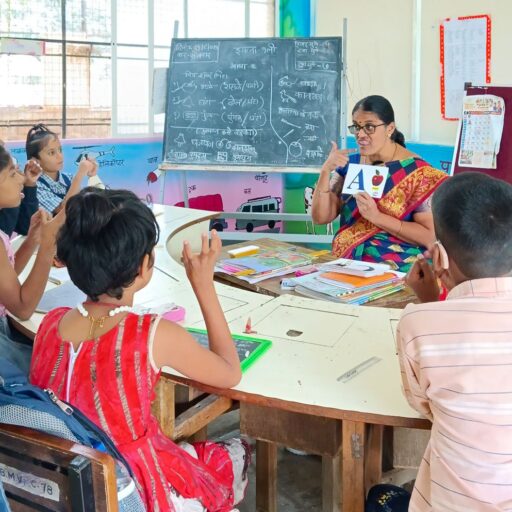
x,y
395,228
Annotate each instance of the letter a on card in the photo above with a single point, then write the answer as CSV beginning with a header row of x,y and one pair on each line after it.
x,y
365,178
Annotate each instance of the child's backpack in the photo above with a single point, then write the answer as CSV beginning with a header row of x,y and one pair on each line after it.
x,y
25,405
387,498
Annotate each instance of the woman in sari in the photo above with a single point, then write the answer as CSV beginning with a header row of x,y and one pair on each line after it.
x,y
395,228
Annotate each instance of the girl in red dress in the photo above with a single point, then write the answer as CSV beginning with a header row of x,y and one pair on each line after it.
x,y
106,359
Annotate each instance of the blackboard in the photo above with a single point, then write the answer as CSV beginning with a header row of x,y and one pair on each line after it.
x,y
253,102
503,169
249,349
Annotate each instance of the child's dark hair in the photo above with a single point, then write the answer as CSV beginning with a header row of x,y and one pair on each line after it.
x,y
37,138
5,158
473,220
381,107
105,237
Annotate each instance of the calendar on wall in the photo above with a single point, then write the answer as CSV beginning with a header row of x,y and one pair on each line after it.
x,y
483,118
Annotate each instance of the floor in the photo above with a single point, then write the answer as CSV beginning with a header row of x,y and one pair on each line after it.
x,y
299,482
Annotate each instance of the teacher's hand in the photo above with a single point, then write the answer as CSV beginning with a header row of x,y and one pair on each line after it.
x,y
337,158
367,207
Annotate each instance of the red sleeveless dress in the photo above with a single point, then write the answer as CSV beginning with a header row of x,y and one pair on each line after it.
x,y
111,380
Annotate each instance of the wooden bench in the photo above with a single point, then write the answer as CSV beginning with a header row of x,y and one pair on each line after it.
x,y
45,473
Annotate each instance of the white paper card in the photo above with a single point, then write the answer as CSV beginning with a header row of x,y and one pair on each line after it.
x,y
365,178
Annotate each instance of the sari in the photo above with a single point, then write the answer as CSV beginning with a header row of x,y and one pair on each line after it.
x,y
409,184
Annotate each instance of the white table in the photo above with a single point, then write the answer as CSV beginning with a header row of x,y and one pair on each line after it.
x,y
292,395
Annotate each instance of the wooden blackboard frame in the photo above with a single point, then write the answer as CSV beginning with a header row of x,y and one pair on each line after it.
x,y
340,65
504,158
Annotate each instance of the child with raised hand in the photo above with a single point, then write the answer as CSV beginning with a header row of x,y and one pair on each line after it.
x,y
106,359
456,355
22,299
54,187
18,219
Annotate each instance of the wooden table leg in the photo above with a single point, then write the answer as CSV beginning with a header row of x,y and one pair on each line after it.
x,y
373,456
352,479
266,476
331,479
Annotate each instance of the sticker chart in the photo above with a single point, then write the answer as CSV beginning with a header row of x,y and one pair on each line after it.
x,y
249,349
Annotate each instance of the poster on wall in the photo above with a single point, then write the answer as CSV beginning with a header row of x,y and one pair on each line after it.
x,y
483,117
465,52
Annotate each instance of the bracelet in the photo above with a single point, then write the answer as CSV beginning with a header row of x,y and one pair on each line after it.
x,y
400,228
324,191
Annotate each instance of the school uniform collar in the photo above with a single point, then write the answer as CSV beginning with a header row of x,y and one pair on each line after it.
x,y
50,181
486,287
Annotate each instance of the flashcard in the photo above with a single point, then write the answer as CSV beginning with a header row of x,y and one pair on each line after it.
x,y
365,178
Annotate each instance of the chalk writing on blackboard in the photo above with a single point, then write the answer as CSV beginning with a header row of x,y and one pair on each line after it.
x,y
252,101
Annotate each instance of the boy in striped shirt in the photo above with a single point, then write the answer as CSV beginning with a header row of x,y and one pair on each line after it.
x,y
456,355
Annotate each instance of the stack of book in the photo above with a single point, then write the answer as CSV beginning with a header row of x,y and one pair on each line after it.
x,y
264,265
348,281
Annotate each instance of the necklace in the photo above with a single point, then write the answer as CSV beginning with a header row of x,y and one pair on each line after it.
x,y
99,322
394,152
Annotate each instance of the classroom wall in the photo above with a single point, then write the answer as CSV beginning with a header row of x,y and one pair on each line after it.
x,y
381,62
379,49
434,128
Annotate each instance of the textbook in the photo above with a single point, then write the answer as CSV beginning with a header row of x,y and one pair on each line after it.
x,y
264,265
351,282
318,285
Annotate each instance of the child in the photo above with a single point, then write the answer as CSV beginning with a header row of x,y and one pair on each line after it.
x,y
18,219
21,299
54,187
106,359
456,355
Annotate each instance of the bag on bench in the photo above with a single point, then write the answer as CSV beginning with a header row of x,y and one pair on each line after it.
x,y
25,405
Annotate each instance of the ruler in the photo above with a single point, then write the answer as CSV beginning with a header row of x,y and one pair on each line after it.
x,y
361,367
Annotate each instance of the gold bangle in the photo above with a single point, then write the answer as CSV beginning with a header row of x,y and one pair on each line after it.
x,y
400,228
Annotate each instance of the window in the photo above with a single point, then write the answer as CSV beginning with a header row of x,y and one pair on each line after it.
x,y
63,62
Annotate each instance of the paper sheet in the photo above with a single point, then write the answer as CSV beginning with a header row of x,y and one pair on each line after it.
x,y
464,55
65,295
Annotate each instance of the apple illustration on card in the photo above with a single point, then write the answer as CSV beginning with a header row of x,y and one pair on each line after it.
x,y
365,178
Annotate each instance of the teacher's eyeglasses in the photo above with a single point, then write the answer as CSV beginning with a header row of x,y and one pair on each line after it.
x,y
369,129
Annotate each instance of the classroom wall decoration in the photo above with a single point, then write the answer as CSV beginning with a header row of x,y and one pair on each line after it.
x,y
465,53
133,164
295,18
502,160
